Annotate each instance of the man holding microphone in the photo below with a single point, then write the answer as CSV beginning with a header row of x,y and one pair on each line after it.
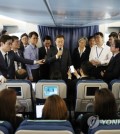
x,y
59,57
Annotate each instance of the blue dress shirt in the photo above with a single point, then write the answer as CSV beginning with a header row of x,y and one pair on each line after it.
x,y
31,52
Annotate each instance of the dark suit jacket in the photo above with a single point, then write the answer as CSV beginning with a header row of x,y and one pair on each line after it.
x,y
44,69
113,69
21,47
62,64
77,60
9,72
21,55
42,52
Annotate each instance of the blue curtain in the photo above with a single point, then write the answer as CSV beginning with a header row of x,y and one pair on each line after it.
x,y
71,34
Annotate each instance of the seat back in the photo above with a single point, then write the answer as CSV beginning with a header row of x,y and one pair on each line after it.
x,y
45,127
42,132
108,132
45,88
115,87
24,92
105,127
5,127
85,92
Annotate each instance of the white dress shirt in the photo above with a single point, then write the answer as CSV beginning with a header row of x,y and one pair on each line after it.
x,y
101,54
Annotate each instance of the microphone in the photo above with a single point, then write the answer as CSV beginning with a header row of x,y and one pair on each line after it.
x,y
60,49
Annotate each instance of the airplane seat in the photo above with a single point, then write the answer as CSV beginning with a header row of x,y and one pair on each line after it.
x,y
85,92
108,132
45,127
89,107
104,127
45,88
24,91
5,127
115,88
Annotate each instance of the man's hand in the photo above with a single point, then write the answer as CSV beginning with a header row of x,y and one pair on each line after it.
x,y
76,74
31,78
78,71
69,74
95,62
40,61
59,54
2,79
92,62
102,73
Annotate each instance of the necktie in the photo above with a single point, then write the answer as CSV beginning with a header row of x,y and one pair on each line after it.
x,y
60,49
6,60
47,49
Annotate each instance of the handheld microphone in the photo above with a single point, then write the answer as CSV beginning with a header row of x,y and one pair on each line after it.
x,y
60,49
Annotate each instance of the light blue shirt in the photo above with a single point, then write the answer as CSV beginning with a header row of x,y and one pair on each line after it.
x,y
31,52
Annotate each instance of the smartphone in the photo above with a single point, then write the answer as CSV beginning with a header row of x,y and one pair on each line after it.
x,y
72,70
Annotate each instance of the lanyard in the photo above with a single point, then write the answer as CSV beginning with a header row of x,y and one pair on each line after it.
x,y
98,55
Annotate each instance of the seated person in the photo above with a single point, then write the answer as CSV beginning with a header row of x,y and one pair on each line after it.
x,y
104,107
21,74
7,107
86,70
55,108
